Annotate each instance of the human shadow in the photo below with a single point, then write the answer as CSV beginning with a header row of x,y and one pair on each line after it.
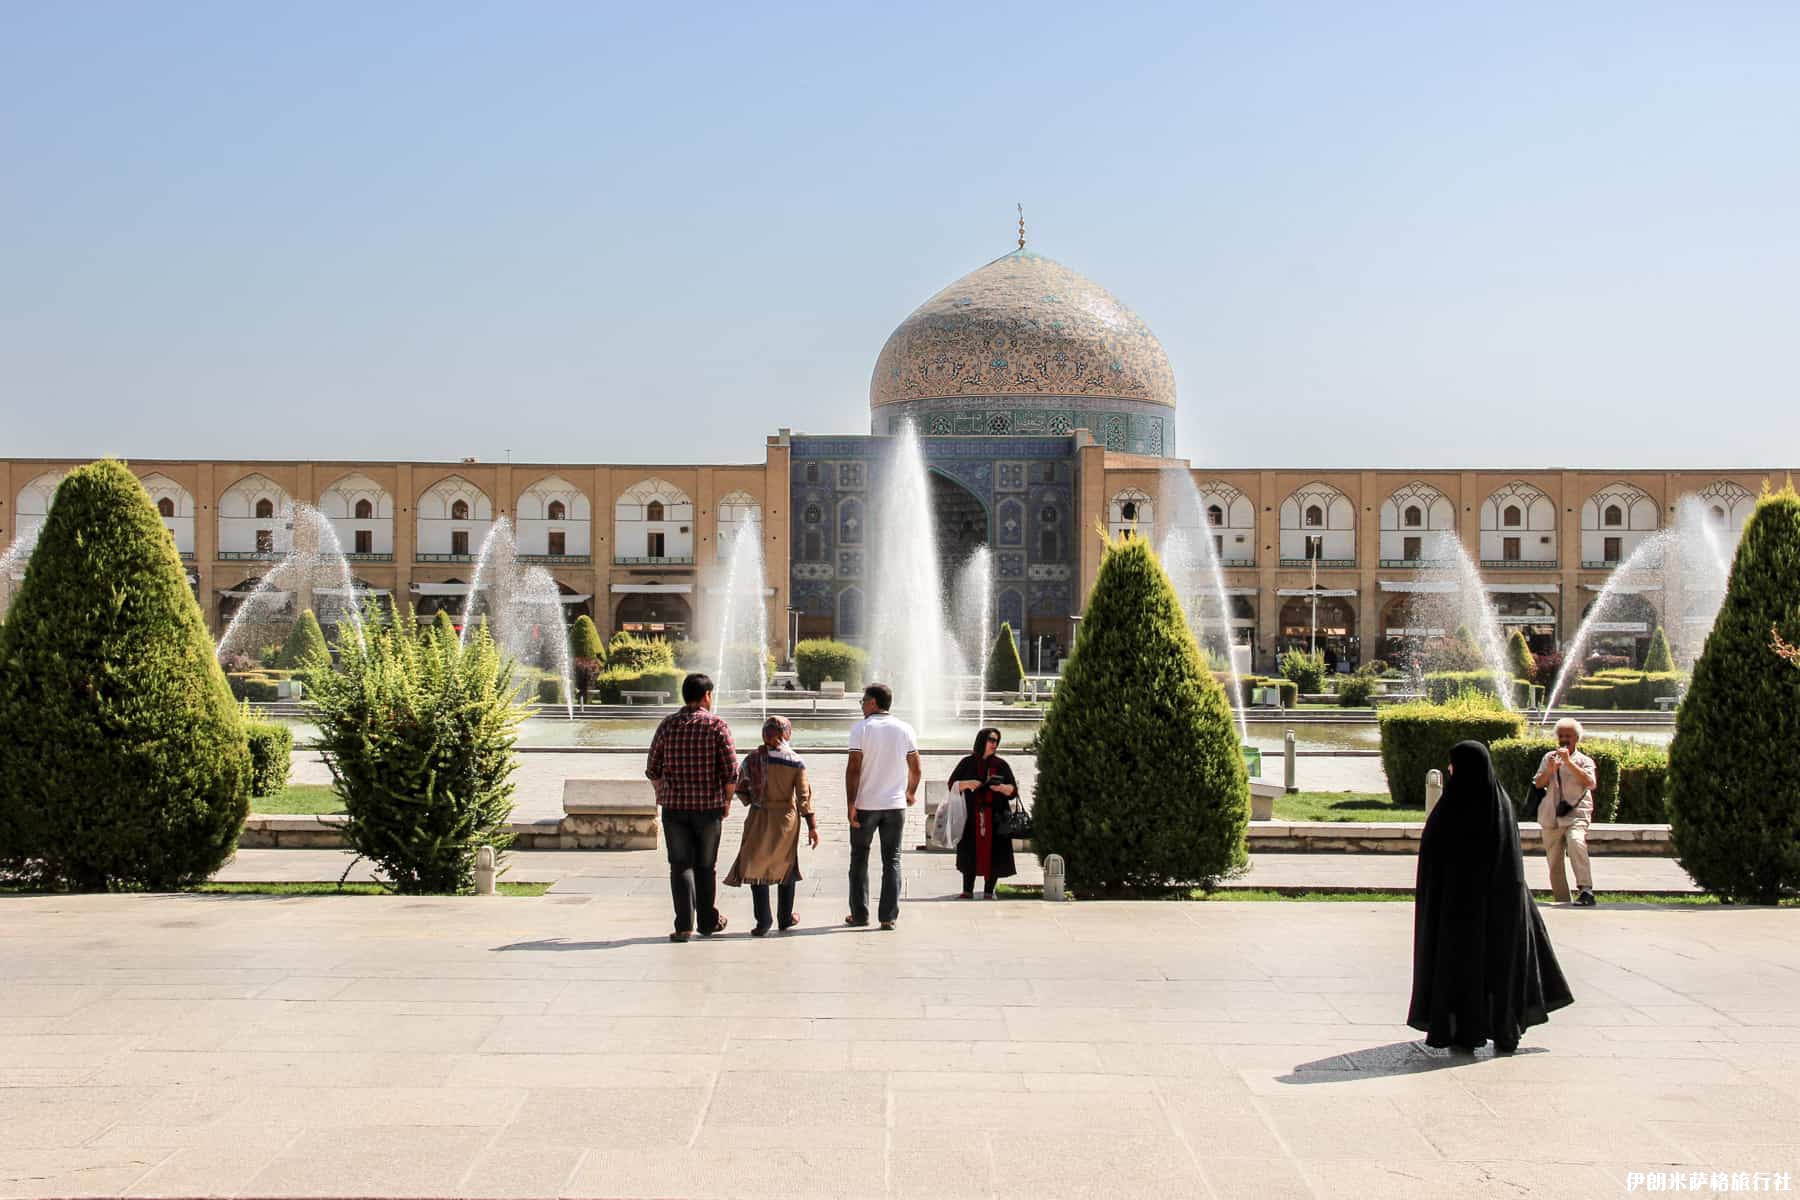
x,y
1395,1058
565,946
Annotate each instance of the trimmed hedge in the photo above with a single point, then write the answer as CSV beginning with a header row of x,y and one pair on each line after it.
x,y
1441,686
305,644
271,749
585,640
818,659
1290,691
258,687
1355,691
1660,658
614,682
1005,670
1631,777
1416,738
1519,659
1592,695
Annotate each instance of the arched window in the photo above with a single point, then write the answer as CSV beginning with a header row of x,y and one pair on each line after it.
x,y
1512,518
1614,516
459,510
556,511
365,511
1717,512
166,507
653,511
1415,516
1315,516
265,508
1128,510
1215,515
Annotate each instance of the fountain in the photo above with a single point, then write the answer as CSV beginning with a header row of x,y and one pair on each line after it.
x,y
975,619
909,643
13,561
1192,561
1690,559
314,563
522,607
1450,595
744,618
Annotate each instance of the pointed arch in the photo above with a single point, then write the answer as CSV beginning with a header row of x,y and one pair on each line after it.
x,y
554,519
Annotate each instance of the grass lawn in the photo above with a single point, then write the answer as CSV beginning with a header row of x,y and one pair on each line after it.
x,y
299,798
1343,806
348,889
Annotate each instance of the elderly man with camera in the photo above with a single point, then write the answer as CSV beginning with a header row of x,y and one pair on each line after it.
x,y
1568,778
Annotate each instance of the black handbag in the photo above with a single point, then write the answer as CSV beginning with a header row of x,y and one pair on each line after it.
x,y
1532,800
1018,820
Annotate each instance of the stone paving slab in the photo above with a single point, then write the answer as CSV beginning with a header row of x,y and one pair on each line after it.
x,y
560,1046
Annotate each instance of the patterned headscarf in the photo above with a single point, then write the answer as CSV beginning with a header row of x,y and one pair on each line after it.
x,y
784,753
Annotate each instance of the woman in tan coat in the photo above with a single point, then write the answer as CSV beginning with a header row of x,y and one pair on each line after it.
x,y
773,783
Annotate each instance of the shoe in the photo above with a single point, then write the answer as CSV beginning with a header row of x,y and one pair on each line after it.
x,y
760,931
965,895
719,924
853,923
1586,899
888,925
790,922
989,896
679,936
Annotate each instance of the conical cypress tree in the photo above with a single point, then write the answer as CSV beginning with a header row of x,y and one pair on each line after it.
x,y
305,644
1141,781
585,640
1005,670
1659,658
123,760
1734,765
1519,659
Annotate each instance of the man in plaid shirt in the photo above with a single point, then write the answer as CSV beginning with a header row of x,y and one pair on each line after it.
x,y
694,767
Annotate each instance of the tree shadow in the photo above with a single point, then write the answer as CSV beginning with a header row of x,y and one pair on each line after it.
x,y
1395,1058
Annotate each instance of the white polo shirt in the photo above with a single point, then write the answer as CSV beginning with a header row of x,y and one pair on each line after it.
x,y
885,741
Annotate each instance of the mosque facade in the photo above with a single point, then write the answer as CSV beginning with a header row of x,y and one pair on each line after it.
x,y
1045,410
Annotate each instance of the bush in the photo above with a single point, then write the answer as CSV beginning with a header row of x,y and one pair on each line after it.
x,y
585,640
818,659
1549,665
1443,686
1457,653
638,654
258,687
1643,784
1355,691
1416,738
1141,780
1005,670
271,749
550,689
1734,776
614,682
123,759
1519,660
443,626
1659,658
1589,694
1247,684
419,737
305,645
1306,670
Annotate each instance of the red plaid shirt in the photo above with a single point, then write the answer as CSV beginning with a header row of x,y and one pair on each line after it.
x,y
692,761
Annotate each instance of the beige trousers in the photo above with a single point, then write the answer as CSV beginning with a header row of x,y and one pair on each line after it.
x,y
1565,841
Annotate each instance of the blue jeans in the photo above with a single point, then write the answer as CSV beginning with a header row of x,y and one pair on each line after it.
x,y
890,823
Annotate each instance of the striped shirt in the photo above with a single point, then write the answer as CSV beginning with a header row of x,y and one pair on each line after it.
x,y
692,761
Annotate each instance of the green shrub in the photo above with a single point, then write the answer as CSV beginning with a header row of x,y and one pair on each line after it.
x,y
1247,684
419,737
271,749
1005,670
1659,658
818,659
550,689
1141,781
443,625
639,654
258,687
1516,762
1519,659
1355,691
1416,738
1589,694
1643,784
305,645
123,759
1734,774
1443,686
614,682
585,640
1306,670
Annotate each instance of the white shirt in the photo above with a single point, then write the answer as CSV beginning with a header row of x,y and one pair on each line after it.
x,y
885,741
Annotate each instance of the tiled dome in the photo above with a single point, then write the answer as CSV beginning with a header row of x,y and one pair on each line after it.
x,y
1023,325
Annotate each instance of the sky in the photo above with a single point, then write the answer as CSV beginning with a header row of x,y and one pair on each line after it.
x,y
1409,235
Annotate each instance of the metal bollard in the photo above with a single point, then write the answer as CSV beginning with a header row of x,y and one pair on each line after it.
x,y
484,871
1053,877
1290,765
1434,789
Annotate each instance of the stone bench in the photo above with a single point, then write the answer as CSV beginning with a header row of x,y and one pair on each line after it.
x,y
653,697
1262,799
608,814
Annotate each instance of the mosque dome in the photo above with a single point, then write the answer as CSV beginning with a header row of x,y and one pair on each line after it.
x,y
1025,341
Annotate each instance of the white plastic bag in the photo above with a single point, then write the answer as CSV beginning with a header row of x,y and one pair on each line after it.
x,y
954,814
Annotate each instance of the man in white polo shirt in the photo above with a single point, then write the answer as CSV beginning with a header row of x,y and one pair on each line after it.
x,y
881,780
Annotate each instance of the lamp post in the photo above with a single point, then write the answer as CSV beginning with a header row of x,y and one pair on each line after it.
x,y
793,632
1315,543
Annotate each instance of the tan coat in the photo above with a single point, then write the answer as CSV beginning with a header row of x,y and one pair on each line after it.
x,y
770,853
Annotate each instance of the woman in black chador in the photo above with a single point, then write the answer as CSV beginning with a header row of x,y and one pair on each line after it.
x,y
1482,963
985,848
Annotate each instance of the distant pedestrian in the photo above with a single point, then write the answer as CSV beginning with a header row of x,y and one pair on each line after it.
x,y
988,787
880,782
773,783
1568,778
1482,963
694,766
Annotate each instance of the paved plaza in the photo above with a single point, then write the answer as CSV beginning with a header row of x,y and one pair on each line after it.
x,y
360,1046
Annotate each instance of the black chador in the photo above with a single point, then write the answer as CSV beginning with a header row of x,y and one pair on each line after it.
x,y
1482,963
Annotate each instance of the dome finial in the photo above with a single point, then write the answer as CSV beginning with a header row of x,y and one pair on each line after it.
x,y
1021,209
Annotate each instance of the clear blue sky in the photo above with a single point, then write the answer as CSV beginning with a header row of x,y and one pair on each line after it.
x,y
1368,234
